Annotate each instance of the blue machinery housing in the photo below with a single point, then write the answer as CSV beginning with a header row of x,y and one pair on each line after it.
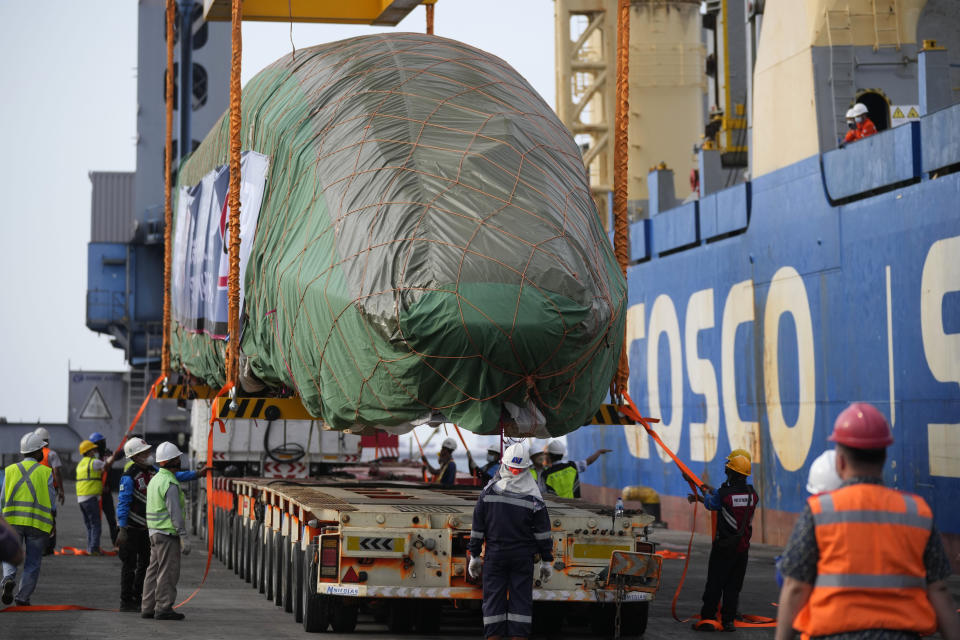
x,y
759,312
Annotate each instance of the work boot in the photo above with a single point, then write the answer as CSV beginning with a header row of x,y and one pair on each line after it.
x,y
7,596
729,626
146,614
169,615
21,603
129,607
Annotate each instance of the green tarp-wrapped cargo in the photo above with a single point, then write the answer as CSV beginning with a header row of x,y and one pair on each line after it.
x,y
418,238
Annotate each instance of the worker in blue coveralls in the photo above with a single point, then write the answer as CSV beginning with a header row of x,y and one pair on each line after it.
x,y
736,501
512,519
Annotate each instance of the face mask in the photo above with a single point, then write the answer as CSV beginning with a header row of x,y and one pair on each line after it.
x,y
493,457
859,119
150,461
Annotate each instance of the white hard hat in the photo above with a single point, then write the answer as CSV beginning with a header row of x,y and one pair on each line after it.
x,y
449,443
167,451
494,448
133,446
517,456
859,109
850,114
823,473
31,442
43,433
556,448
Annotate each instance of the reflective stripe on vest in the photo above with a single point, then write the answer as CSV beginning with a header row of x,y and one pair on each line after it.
x,y
158,517
26,499
870,571
565,481
89,481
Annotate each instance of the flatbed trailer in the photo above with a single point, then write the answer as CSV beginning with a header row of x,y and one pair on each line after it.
x,y
324,548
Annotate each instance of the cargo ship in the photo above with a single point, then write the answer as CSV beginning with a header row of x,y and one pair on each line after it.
x,y
802,273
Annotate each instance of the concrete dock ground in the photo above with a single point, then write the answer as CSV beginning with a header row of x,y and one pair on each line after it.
x,y
229,608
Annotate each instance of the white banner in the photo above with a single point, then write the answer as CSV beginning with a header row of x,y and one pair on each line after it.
x,y
200,262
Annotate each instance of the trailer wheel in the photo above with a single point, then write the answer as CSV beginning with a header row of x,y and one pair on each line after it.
x,y
316,612
237,545
268,577
428,616
297,594
400,616
548,618
343,615
218,536
254,554
261,559
633,619
287,575
242,540
279,570
229,531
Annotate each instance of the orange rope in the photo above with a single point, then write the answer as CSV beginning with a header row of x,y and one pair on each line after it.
x,y
429,8
621,231
233,280
167,203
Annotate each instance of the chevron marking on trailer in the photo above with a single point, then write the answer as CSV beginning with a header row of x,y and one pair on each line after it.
x,y
375,544
256,408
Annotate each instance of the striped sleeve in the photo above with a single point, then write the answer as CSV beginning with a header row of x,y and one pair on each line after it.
x,y
542,534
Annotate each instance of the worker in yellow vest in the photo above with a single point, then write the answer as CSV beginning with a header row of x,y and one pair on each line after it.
x,y
168,536
562,478
89,489
27,502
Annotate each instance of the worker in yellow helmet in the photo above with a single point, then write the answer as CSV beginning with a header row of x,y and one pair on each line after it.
x,y
736,501
27,502
89,489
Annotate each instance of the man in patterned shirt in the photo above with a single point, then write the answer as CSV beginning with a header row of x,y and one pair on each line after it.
x,y
865,562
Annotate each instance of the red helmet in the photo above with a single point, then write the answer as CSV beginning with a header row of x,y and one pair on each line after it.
x,y
862,426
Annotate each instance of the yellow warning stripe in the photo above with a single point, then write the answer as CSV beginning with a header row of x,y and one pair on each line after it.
x,y
262,409
608,414
183,392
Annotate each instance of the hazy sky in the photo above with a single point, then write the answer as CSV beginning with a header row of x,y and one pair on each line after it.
x,y
67,107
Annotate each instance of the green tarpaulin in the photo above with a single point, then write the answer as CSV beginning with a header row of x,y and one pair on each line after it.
x,y
427,243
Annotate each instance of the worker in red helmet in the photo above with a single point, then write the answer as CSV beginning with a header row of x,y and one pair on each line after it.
x,y
865,559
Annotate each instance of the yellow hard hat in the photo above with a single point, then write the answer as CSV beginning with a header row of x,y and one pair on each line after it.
x,y
85,446
740,464
740,452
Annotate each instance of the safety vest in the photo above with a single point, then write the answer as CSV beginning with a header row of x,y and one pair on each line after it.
x,y
870,573
563,479
26,497
89,480
126,467
158,517
45,460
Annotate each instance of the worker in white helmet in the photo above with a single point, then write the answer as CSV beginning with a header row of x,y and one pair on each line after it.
x,y
27,503
51,459
168,537
488,471
863,126
446,473
562,478
511,521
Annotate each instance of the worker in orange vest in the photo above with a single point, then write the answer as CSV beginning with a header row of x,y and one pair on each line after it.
x,y
865,557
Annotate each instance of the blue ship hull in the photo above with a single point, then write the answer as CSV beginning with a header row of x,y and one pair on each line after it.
x,y
759,313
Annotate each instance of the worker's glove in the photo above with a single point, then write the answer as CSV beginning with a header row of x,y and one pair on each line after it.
x,y
474,567
546,572
122,537
184,546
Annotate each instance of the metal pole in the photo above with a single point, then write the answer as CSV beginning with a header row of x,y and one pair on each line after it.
x,y
186,76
